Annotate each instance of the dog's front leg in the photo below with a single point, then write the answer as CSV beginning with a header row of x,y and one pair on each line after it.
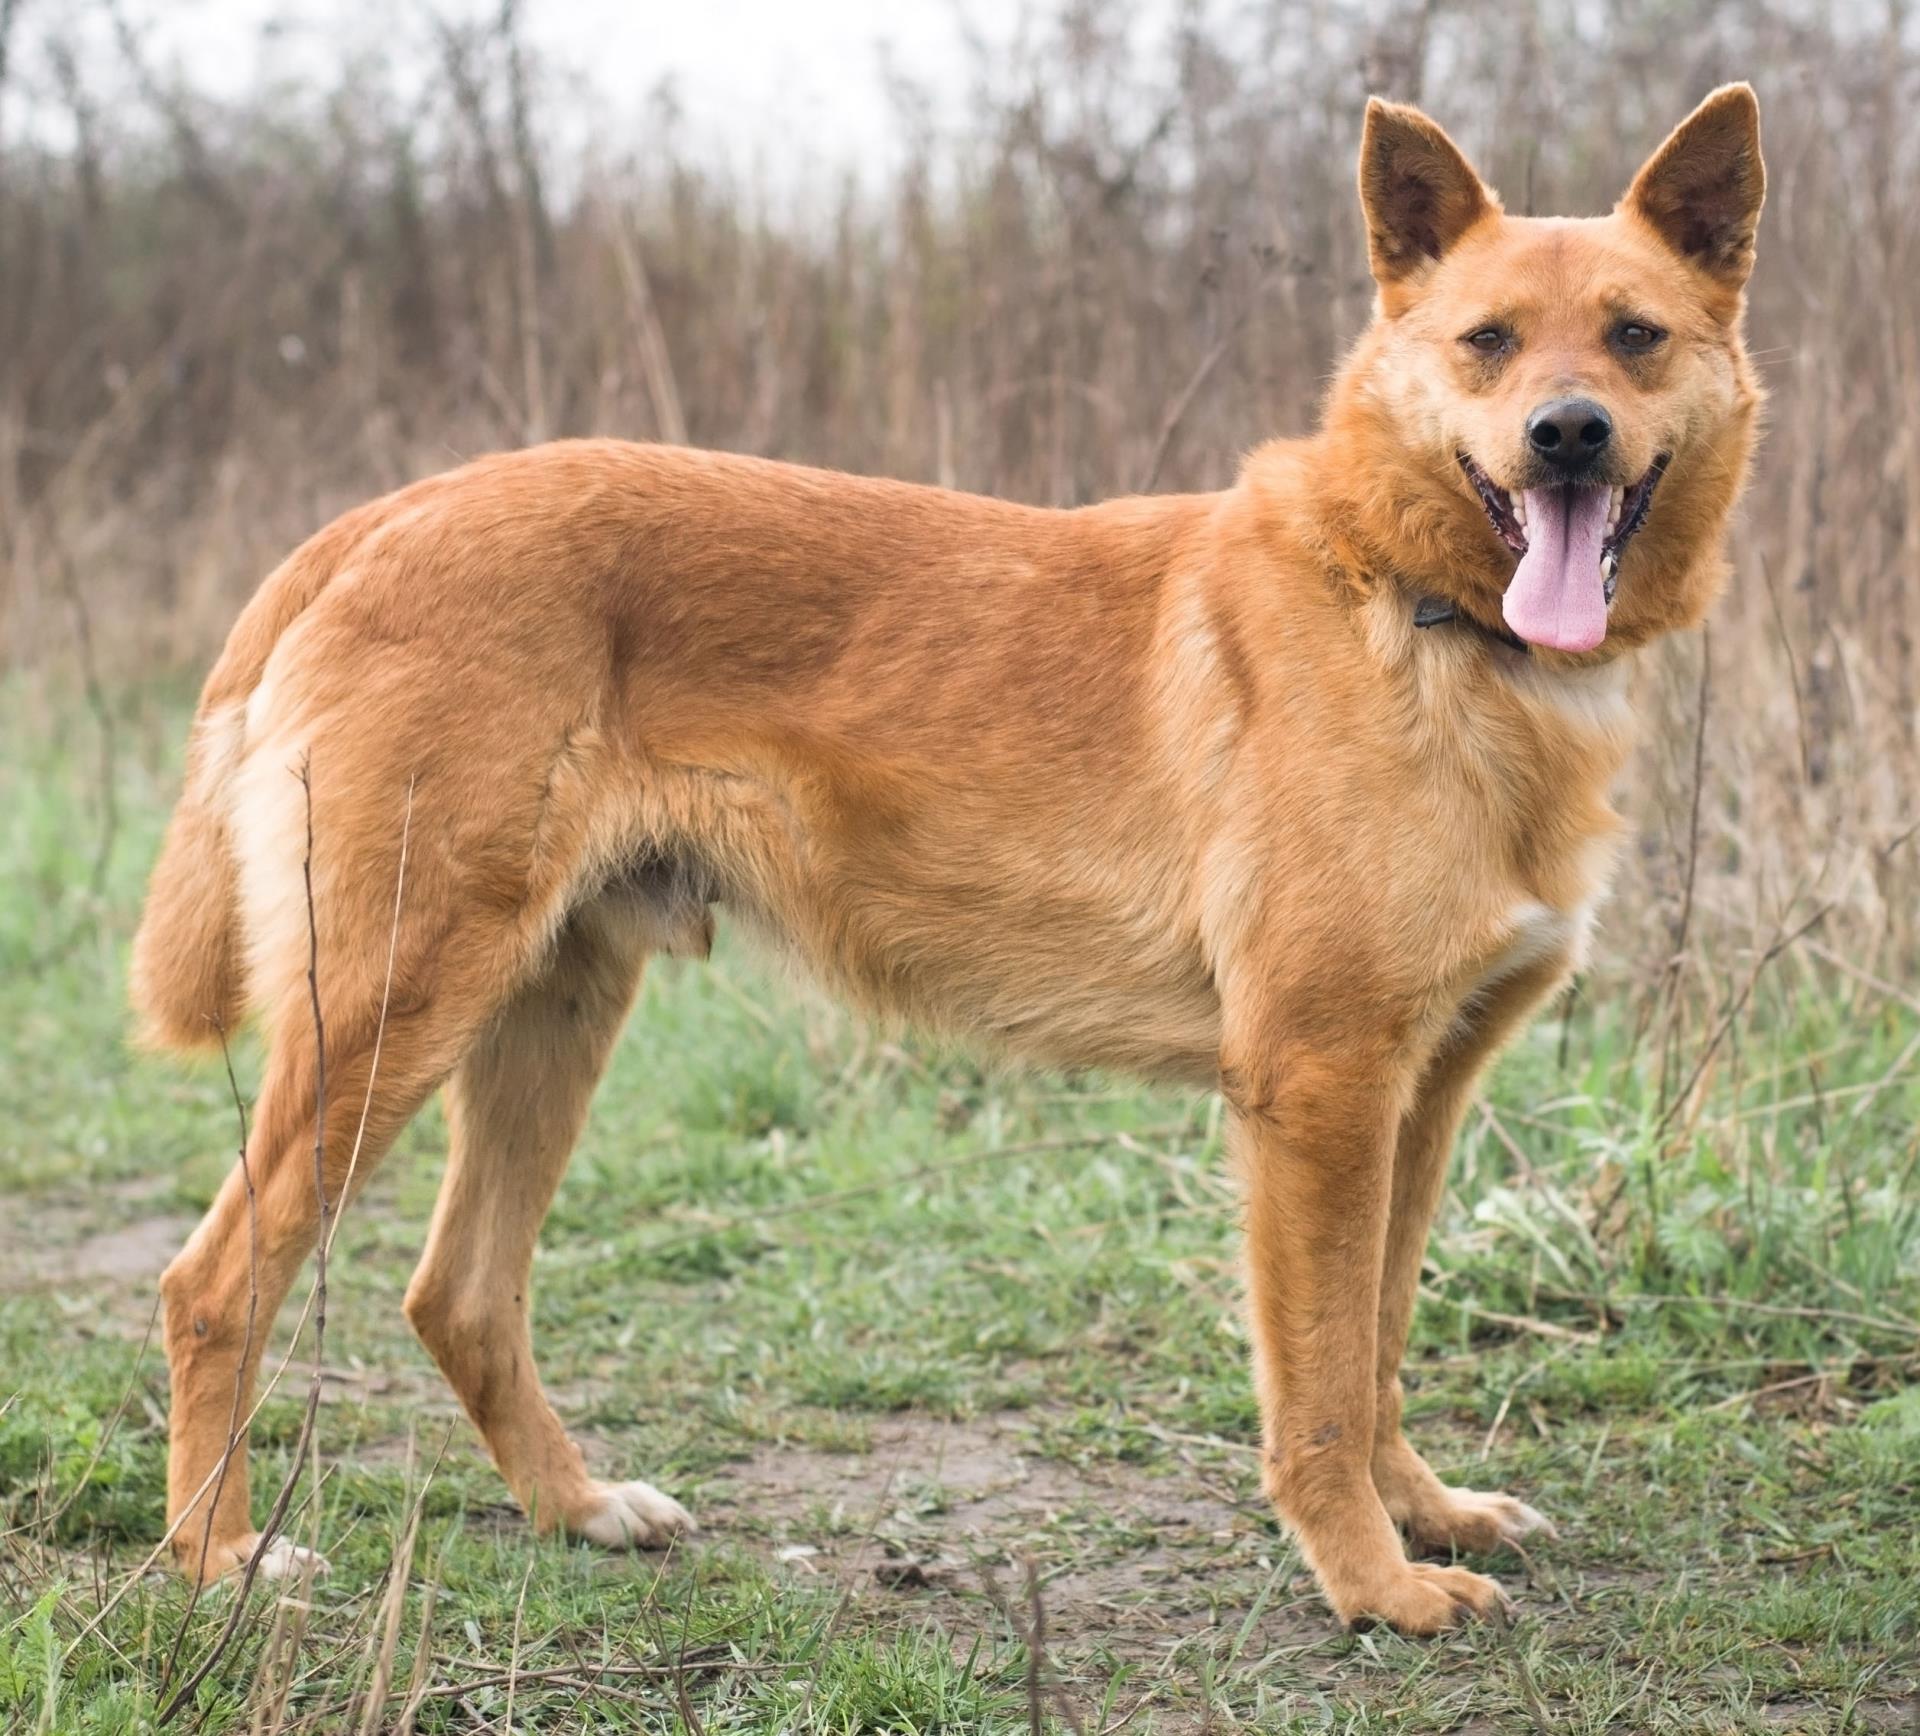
x,y
1435,1516
1314,1127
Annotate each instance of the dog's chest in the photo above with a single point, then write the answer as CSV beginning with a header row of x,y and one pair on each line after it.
x,y
1529,832
1531,945
1534,934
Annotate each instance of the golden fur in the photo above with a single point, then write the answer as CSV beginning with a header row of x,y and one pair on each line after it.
x,y
1170,785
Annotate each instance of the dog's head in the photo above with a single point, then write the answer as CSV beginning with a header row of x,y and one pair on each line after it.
x,y
1580,384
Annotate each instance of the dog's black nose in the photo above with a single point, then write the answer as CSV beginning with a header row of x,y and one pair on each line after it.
x,y
1569,432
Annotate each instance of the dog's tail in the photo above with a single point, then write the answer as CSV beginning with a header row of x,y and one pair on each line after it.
x,y
188,979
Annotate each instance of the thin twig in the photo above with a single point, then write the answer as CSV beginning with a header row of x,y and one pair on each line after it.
x,y
1031,1631
1733,1010
1676,961
1513,1322
513,1654
236,1429
1177,410
1742,1304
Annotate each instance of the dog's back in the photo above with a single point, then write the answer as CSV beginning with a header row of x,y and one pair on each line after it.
x,y
909,732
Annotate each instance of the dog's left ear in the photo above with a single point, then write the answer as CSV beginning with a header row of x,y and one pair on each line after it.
x,y
1702,190
1420,195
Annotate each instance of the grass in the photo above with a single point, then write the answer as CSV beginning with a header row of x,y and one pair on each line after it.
x,y
905,1333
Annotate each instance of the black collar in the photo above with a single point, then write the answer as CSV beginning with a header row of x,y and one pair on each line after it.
x,y
1437,611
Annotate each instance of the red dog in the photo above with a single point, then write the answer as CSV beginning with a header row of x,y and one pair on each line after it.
x,y
1177,785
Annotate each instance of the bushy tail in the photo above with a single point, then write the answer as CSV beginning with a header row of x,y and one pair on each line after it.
x,y
188,982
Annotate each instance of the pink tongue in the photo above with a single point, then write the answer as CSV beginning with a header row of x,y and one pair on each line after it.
x,y
1557,597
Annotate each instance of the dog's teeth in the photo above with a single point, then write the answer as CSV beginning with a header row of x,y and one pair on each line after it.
x,y
1518,507
1617,500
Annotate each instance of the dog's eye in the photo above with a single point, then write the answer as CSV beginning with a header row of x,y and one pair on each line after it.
x,y
1637,337
1488,340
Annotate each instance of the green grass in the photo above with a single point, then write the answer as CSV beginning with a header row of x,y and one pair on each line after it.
x,y
900,1344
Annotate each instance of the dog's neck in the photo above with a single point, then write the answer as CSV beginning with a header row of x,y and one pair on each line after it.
x,y
1432,611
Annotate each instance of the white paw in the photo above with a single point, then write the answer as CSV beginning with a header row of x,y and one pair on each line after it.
x,y
1523,1521
284,1560
226,1563
1488,1521
634,1516
1507,1520
1472,1522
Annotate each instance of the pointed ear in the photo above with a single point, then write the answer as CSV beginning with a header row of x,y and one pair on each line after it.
x,y
1419,194
1701,191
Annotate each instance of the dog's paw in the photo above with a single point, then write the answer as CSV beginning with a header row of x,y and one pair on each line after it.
x,y
1421,1600
633,1516
1467,1522
284,1560
224,1562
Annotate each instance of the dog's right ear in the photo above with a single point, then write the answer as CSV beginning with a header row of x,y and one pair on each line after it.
x,y
1419,194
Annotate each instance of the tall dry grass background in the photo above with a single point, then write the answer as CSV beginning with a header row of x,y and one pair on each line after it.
x,y
223,321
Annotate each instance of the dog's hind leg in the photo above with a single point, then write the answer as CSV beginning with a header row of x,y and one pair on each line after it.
x,y
361,870
1438,1518
222,1292
515,1106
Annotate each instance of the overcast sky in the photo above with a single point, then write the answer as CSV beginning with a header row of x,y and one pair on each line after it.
x,y
751,74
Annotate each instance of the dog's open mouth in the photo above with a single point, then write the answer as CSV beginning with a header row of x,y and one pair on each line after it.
x,y
1569,540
